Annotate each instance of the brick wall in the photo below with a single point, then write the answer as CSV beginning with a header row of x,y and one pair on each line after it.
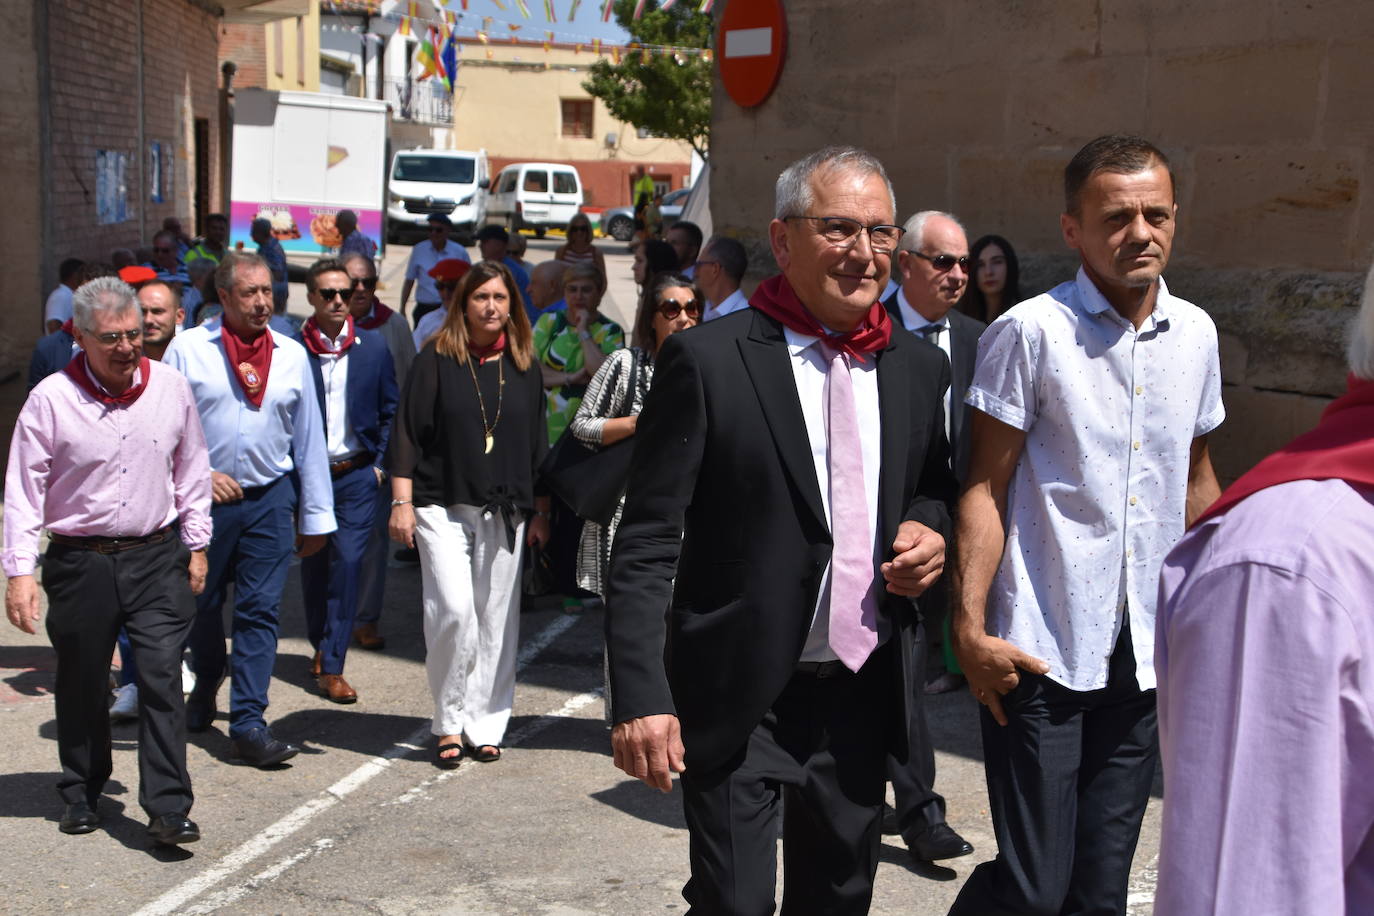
x,y
246,46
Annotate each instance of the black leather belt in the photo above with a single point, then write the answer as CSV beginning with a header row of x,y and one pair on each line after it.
x,y
832,668
344,465
112,545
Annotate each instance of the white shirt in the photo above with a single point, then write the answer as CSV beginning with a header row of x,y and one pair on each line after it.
x,y
914,322
429,323
732,303
339,440
423,257
810,368
1097,496
59,305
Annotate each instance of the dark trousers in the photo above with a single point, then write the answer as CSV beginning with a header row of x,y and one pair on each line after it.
x,y
90,596
918,805
819,755
372,578
421,310
1068,780
330,579
251,548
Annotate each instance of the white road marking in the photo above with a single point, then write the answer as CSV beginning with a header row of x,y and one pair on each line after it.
x,y
749,42
226,897
174,899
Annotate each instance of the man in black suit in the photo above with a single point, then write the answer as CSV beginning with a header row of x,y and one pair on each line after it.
x,y
933,271
791,470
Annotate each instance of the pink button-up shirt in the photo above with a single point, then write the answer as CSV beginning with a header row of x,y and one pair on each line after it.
x,y
80,468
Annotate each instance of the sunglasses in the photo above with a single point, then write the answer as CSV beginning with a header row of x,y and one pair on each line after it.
x,y
671,308
445,286
111,338
944,262
438,229
328,294
364,282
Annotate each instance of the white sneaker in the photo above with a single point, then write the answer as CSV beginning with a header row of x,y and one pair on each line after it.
x,y
188,679
125,706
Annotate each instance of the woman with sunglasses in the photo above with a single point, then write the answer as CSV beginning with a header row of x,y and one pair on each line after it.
x,y
994,283
578,249
468,436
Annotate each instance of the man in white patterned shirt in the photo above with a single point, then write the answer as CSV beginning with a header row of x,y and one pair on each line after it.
x,y
1093,404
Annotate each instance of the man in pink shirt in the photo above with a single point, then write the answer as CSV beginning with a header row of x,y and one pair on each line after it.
x,y
109,456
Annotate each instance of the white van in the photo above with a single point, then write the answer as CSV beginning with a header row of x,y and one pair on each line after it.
x,y
428,181
535,195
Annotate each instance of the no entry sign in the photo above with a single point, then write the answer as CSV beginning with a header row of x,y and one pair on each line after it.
x,y
750,46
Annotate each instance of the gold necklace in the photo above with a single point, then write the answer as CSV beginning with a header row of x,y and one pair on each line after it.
x,y
489,431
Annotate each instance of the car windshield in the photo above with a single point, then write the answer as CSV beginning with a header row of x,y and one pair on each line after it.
x,y
433,168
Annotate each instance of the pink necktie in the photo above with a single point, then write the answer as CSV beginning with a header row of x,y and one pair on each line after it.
x,y
853,607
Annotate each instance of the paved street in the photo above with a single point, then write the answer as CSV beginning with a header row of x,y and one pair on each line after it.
x,y
362,822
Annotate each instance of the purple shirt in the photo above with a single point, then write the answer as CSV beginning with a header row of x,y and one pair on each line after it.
x,y
1265,623
83,469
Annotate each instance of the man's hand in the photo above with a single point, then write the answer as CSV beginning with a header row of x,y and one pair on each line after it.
x,y
197,568
649,749
919,560
224,489
21,603
310,544
538,531
401,525
991,664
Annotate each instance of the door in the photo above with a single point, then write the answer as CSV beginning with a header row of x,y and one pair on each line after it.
x,y
566,197
501,200
535,197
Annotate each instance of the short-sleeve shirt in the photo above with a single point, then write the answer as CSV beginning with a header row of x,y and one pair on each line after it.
x,y
59,305
422,258
1097,497
557,345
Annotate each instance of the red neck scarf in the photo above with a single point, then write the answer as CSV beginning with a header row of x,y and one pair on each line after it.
x,y
70,328
775,298
1341,447
377,317
77,370
250,361
484,353
317,343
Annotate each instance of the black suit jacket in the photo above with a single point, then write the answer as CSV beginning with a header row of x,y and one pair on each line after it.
x,y
963,343
723,497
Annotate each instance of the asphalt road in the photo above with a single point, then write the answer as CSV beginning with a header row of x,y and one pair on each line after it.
x,y
362,822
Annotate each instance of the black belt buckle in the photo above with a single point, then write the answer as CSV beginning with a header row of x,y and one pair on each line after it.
x,y
822,670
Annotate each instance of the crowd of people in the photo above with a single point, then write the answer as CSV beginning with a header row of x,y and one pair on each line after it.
x,y
785,501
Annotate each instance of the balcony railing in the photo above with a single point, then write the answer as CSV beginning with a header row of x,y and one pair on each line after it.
x,y
425,101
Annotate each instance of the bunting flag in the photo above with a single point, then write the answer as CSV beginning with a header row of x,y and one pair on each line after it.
x,y
448,61
549,13
482,36
426,57
523,7
639,9
577,49
615,55
499,5
547,49
490,55
451,18
404,27
572,13
596,46
667,4
606,10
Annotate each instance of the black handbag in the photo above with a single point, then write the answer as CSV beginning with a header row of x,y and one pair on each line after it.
x,y
589,480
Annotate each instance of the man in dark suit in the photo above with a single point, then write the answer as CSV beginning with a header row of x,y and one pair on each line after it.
x,y
791,472
932,271
356,385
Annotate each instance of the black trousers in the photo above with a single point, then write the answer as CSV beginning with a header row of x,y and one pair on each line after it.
x,y
818,756
918,805
1068,780
90,596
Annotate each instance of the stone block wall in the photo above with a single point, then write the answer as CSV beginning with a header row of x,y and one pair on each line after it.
x,y
1265,108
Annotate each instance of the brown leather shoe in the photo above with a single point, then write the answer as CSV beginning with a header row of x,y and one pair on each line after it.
x,y
315,664
367,637
335,688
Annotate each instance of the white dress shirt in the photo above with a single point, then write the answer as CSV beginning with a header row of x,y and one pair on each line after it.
x,y
1097,496
915,322
810,368
59,305
339,440
731,303
423,257
429,323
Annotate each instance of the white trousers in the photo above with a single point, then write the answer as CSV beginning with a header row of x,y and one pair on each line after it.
x,y
471,587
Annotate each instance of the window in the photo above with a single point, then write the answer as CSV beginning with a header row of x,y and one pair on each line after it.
x,y
577,118
507,181
446,169
300,50
537,180
278,56
564,183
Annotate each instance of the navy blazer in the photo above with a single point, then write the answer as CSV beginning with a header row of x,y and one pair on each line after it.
x,y
371,390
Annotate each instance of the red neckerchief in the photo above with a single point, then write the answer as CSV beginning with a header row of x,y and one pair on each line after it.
x,y
483,353
377,317
775,298
250,361
317,343
1341,447
77,370
70,328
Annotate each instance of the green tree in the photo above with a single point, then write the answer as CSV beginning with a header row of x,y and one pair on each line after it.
x,y
668,95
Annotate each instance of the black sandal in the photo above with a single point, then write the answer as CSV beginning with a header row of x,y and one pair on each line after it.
x,y
484,753
449,763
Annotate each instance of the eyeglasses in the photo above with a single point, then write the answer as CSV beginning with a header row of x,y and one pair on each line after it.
x,y
328,295
111,338
702,262
364,282
161,250
671,308
843,232
944,262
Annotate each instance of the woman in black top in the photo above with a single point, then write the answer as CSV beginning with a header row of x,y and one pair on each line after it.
x,y
468,436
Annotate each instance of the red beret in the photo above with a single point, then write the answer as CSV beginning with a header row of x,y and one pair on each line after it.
x,y
450,269
136,274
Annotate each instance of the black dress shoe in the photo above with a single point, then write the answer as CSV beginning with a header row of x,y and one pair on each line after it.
x,y
938,841
79,817
173,829
200,712
260,749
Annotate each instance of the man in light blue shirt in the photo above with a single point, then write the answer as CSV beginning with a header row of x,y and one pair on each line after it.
x,y
262,422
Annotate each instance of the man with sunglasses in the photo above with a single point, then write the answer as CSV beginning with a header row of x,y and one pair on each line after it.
x,y
167,259
109,456
445,275
786,501
423,257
